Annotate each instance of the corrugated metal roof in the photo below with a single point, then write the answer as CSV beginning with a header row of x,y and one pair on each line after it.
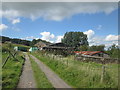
x,y
88,52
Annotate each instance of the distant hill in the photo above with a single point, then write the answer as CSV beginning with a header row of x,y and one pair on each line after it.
x,y
15,40
4,39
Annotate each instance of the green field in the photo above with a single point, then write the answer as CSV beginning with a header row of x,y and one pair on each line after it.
x,y
40,78
80,74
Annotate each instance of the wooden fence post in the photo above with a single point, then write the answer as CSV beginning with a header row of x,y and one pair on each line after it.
x,y
103,73
103,70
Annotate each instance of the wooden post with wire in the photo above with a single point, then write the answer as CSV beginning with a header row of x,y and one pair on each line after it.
x,y
103,70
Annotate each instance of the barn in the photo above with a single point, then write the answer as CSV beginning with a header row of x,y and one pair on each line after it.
x,y
57,46
41,44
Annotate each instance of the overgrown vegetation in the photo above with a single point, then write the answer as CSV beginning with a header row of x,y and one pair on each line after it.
x,y
114,51
12,68
80,74
11,72
41,79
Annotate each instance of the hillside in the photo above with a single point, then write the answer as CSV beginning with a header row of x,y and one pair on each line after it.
x,y
17,41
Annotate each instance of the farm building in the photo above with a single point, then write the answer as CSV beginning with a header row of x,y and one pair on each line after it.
x,y
17,48
41,44
58,49
33,49
92,53
48,46
57,46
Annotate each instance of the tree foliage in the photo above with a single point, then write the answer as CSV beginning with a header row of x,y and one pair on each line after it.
x,y
84,48
114,51
75,39
97,48
34,41
92,48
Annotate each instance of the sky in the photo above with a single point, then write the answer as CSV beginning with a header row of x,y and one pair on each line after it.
x,y
51,20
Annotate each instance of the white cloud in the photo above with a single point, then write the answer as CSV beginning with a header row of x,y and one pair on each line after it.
x,y
47,36
14,21
112,37
54,11
98,40
58,39
3,27
51,37
10,14
90,33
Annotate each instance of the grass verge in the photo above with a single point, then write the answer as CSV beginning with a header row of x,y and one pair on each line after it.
x,y
11,72
41,79
82,75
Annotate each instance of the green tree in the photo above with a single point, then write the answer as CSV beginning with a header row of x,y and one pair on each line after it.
x,y
75,39
113,51
97,48
84,48
33,42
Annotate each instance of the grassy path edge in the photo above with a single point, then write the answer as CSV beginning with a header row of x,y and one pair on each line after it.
x,y
40,78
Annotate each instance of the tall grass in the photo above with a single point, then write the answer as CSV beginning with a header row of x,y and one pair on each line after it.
x,y
80,74
11,72
4,56
41,79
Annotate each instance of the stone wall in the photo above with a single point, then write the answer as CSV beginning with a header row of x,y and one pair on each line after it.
x,y
96,59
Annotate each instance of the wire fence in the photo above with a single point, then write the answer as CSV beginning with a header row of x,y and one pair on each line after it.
x,y
102,71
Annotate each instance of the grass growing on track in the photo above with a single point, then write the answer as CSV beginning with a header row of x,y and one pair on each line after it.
x,y
41,79
82,75
11,72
